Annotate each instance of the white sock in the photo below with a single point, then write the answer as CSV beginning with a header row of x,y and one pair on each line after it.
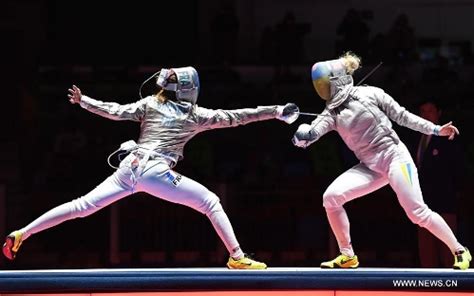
x,y
341,228
49,219
224,229
439,228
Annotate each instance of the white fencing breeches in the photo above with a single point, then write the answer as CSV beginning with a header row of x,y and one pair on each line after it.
x,y
397,169
156,179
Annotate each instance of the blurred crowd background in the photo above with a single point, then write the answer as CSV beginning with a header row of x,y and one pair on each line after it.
x,y
248,53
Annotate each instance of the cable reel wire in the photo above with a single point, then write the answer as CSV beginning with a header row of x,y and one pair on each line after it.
x,y
120,157
144,82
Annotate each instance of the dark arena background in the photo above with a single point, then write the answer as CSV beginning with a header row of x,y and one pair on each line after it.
x,y
248,53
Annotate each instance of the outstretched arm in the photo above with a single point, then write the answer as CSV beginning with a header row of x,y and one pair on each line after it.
x,y
114,111
404,117
211,119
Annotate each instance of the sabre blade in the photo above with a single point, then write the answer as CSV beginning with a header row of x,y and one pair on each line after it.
x,y
309,114
315,114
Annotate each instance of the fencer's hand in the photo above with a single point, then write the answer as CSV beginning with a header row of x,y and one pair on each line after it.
x,y
303,136
288,113
448,130
75,95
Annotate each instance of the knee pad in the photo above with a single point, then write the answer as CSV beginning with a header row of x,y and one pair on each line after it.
x,y
80,208
420,216
332,199
211,204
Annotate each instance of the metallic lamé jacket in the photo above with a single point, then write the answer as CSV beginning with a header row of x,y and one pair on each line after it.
x,y
362,116
166,127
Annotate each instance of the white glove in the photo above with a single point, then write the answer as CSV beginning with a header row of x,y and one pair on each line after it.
x,y
303,136
288,113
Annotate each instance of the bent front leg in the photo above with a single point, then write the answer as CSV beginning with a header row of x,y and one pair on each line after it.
x,y
356,182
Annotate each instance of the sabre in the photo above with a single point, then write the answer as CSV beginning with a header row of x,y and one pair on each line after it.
x,y
314,114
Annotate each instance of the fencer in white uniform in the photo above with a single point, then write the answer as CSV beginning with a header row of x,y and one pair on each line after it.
x,y
168,121
362,116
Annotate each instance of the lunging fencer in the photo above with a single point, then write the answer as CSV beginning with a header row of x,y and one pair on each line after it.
x,y
168,120
362,116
